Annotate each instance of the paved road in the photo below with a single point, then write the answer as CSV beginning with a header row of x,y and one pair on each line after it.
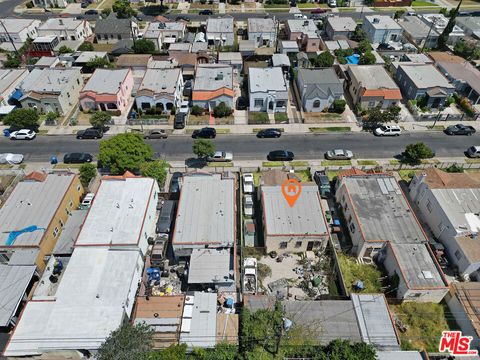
x,y
248,147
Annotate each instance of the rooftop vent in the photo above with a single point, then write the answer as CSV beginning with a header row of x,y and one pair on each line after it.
x,y
219,77
305,23
376,20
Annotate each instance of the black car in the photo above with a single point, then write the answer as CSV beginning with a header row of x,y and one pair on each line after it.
x,y
84,5
77,158
175,182
280,155
164,222
385,46
205,133
269,133
90,133
241,103
205,12
179,122
91,12
460,129
182,18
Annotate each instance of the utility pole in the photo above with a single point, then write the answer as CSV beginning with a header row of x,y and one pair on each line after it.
x,y
9,37
428,34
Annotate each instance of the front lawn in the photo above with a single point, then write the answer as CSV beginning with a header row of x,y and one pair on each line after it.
x,y
272,164
330,129
353,271
367,162
220,164
417,3
336,162
406,175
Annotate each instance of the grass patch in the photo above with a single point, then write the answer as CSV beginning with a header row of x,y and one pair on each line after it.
x,y
330,129
303,175
272,163
273,6
220,164
346,9
406,175
299,163
42,132
425,323
394,162
417,3
67,166
367,162
281,118
436,127
257,117
336,162
332,175
472,161
5,166
353,271
256,178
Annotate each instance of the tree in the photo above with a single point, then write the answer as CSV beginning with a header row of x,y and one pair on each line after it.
x,y
325,59
398,14
197,110
222,110
128,342
367,59
86,46
376,116
443,38
414,153
13,61
203,148
173,352
99,62
467,49
22,119
100,118
64,50
87,172
156,170
123,9
105,12
364,46
359,34
338,106
144,46
124,152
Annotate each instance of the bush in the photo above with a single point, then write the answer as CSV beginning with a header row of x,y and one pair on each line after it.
x,y
87,173
29,5
258,118
86,46
64,50
338,106
281,118
414,153
22,119
454,169
100,118
222,110
197,110
325,59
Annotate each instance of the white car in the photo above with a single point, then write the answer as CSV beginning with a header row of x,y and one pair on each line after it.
x,y
339,154
248,205
23,134
11,158
388,130
184,108
221,156
87,201
300,16
332,3
473,152
248,183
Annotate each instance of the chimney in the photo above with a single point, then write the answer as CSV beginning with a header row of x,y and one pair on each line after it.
x,y
60,21
422,177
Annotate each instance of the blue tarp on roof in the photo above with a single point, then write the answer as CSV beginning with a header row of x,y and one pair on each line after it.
x,y
14,234
17,95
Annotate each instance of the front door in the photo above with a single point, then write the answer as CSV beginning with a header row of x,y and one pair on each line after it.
x,y
310,246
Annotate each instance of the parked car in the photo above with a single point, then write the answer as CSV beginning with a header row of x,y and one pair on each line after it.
x,y
300,16
175,182
321,179
205,12
385,46
184,107
241,103
388,130
84,5
460,129
10,158
155,134
165,219
180,120
182,18
249,233
339,154
248,205
187,88
23,134
319,11
91,12
269,133
280,155
473,152
248,183
87,201
90,133
220,156
205,133
77,158
332,3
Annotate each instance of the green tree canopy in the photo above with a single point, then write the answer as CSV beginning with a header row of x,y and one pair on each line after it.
x,y
203,147
128,342
359,34
325,59
124,152
22,119
398,14
100,118
197,110
414,153
222,110
144,46
99,62
87,172
156,170
467,49
86,46
64,50
364,46
13,61
376,116
338,106
123,9
367,59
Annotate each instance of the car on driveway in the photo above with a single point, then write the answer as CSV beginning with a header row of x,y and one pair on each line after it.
x,y
248,205
180,120
90,133
269,133
23,134
388,130
155,134
205,133
10,158
248,183
175,182
460,129
220,156
77,158
91,12
339,154
280,155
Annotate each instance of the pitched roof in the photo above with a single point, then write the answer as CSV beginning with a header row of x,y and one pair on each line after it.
x,y
112,25
325,81
389,94
438,179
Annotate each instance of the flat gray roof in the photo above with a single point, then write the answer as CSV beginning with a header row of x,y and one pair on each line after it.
x,y
303,26
399,355
220,25
342,23
280,60
266,79
382,210
106,81
373,76
180,47
213,77
32,203
14,281
261,25
70,232
426,76
208,266
470,22
49,80
206,211
86,56
15,25
232,57
68,23
160,81
199,320
8,77
417,28
382,22
304,218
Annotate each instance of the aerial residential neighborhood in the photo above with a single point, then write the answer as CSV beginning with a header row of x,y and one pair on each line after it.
x,y
240,180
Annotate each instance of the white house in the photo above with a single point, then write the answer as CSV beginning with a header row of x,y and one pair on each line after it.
x,y
268,89
161,89
164,33
382,28
9,81
67,28
220,31
17,31
262,31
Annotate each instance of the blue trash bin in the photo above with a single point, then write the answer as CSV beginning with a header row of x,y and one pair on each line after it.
x,y
53,160
6,132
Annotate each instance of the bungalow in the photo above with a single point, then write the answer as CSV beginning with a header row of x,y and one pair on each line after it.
x,y
305,33
340,27
17,31
268,89
111,30
220,31
318,88
66,29
160,89
164,33
213,85
107,90
262,31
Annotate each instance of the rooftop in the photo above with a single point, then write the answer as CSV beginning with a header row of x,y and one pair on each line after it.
x,y
15,25
373,77
261,25
213,77
232,57
280,60
132,60
63,23
382,210
106,81
464,71
206,211
112,25
440,22
160,81
266,79
303,26
220,25
382,22
305,218
32,203
468,294
117,214
470,246
64,245
417,28
438,179
342,23
180,47
319,76
426,76
86,56
8,78
159,27
49,80
289,44
399,355
209,266
468,22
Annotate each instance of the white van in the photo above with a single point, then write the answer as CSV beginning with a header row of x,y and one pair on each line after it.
x,y
300,16
388,130
473,152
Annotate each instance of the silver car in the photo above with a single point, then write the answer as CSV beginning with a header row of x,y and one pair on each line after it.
x,y
221,156
339,154
12,159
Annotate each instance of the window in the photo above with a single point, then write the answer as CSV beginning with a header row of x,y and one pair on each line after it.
x,y
352,228
70,204
154,195
61,222
258,103
429,206
458,254
281,103
316,104
371,104
119,37
283,245
298,244
415,295
78,187
349,218
55,232
145,105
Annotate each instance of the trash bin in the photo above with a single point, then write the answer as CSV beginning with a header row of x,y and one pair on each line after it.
x,y
53,160
6,132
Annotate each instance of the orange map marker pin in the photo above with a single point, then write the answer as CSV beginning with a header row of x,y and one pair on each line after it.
x,y
291,190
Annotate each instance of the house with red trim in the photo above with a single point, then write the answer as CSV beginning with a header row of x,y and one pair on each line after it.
x,y
213,85
383,228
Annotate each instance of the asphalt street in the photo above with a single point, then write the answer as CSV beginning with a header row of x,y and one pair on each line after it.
x,y
248,147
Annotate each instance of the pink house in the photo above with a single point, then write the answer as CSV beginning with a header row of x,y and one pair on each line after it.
x,y
107,90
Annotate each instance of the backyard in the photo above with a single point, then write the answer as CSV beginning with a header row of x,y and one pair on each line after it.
x,y
352,271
